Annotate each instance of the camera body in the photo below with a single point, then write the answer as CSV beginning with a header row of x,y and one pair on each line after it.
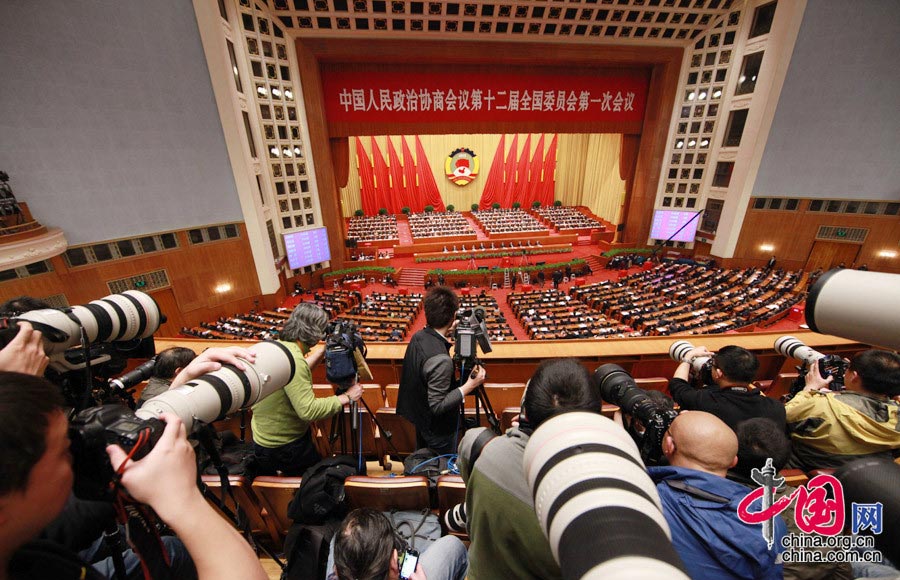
x,y
701,366
618,388
92,430
470,334
830,365
342,341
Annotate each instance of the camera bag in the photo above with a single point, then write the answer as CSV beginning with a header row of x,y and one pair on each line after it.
x,y
306,549
321,494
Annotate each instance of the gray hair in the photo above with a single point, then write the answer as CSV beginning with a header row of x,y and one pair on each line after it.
x,y
306,324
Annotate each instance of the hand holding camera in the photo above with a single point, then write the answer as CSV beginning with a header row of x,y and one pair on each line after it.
x,y
212,360
166,478
476,379
25,353
815,381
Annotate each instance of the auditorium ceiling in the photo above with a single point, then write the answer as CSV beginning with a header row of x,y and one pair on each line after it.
x,y
638,22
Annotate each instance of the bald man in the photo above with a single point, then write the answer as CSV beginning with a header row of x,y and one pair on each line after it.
x,y
700,505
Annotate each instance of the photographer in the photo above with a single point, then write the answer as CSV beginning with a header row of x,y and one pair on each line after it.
x,y
700,505
37,478
367,548
499,503
830,429
427,397
731,398
282,441
168,364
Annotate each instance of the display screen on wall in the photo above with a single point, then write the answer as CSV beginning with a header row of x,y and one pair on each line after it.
x,y
306,247
667,222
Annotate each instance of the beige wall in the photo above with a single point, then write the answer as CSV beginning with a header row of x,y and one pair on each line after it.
x,y
587,168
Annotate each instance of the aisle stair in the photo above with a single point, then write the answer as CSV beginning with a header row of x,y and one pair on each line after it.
x,y
412,277
594,264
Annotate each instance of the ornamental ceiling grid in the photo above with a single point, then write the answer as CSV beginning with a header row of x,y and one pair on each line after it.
x,y
647,22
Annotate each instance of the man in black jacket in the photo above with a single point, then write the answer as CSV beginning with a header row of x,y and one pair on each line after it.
x,y
731,398
427,396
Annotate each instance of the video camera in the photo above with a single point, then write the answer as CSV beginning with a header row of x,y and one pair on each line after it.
x,y
344,347
470,333
701,366
830,365
617,387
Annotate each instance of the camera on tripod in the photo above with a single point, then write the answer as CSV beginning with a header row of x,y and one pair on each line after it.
x,y
618,388
344,352
830,365
701,366
470,334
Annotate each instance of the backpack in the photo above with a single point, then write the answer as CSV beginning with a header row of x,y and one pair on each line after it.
x,y
426,462
321,494
306,549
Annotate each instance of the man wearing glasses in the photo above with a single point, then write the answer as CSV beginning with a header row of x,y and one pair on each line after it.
x,y
731,398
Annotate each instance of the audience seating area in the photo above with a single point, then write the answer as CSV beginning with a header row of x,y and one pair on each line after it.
x,y
677,298
384,317
501,221
567,218
439,224
495,322
373,228
554,315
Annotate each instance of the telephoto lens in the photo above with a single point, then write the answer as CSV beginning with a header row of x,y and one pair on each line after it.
x,y
216,395
126,316
859,305
595,502
455,519
793,348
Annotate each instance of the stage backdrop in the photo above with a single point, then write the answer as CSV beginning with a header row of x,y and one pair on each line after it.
x,y
587,169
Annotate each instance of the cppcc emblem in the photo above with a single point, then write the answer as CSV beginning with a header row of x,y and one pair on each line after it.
x,y
461,166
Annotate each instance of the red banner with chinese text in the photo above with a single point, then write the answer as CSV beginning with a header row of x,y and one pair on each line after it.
x,y
431,97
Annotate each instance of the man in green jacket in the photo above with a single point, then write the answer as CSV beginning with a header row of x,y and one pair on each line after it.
x,y
506,538
282,441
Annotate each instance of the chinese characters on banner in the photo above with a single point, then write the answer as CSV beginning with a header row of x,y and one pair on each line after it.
x,y
429,97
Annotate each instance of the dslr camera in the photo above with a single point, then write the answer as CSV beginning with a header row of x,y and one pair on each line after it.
x,y
830,365
205,399
617,387
343,344
701,366
88,345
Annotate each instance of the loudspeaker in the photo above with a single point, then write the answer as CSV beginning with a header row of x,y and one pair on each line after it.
x,y
350,242
620,228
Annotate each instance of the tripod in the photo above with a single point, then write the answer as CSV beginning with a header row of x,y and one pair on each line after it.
x,y
481,397
339,430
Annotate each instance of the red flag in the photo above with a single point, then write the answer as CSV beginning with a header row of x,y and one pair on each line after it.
x,y
548,182
534,177
493,187
398,190
429,194
382,178
411,197
509,173
367,181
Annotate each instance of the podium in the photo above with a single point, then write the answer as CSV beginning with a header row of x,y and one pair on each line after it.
x,y
797,313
